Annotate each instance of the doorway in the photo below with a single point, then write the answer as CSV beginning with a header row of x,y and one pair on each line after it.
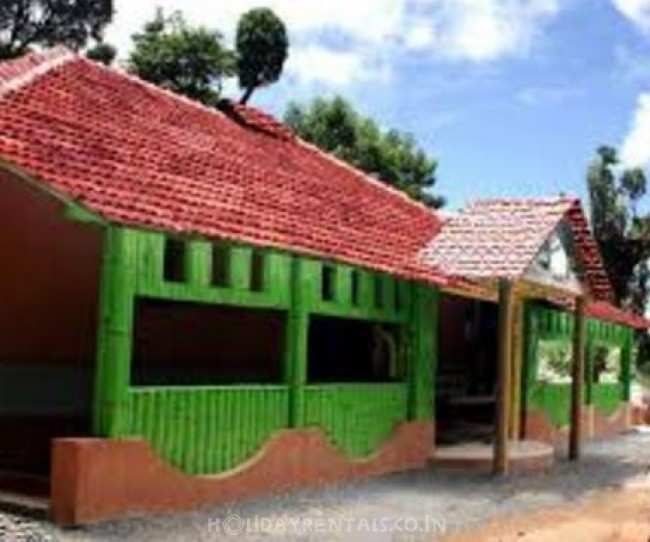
x,y
467,370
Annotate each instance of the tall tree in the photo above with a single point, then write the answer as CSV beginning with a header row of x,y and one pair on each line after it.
x,y
262,48
390,156
622,233
26,23
188,60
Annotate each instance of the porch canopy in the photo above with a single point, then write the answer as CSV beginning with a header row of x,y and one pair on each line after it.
x,y
509,250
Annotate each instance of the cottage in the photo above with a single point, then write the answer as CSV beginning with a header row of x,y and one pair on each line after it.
x,y
199,307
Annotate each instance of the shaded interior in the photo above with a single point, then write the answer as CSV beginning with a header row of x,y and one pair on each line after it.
x,y
348,350
189,344
467,370
49,290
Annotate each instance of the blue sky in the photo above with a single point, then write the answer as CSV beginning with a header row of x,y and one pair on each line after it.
x,y
511,96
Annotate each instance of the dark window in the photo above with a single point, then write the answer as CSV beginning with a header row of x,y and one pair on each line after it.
x,y
355,286
220,265
185,344
347,350
379,291
258,275
328,283
398,296
605,363
175,252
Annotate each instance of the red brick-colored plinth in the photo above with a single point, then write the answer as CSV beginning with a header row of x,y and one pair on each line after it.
x,y
539,427
608,426
595,425
639,415
99,479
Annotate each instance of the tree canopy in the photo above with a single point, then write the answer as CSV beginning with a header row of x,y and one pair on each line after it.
x,y
262,48
195,61
188,60
391,156
622,233
74,23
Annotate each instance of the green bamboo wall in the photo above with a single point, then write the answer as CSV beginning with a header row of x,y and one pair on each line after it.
x,y
606,397
208,430
203,430
357,418
555,399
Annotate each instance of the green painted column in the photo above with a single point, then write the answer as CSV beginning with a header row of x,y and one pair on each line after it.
x,y
296,344
589,367
113,369
424,350
531,338
627,363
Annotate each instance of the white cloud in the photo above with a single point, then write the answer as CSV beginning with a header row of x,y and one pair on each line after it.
x,y
316,64
635,149
371,34
638,11
420,36
485,30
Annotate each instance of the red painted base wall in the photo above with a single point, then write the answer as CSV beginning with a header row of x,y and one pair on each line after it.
x,y
595,425
100,479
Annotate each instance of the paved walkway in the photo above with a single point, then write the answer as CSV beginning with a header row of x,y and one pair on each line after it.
x,y
414,506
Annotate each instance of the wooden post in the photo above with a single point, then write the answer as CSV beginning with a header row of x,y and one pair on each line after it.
x,y
516,366
504,376
577,380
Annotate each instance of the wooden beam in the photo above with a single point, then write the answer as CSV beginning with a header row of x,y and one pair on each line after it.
x,y
504,378
533,290
577,380
478,292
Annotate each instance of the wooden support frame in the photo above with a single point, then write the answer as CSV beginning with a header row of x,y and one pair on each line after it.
x,y
577,380
504,375
517,366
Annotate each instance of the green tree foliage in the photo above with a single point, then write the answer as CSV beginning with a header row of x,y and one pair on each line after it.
x,y
102,52
26,23
188,60
555,359
262,48
622,234
390,156
194,61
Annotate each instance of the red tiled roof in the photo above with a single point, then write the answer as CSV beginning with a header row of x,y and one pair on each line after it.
x,y
137,155
608,312
500,238
141,156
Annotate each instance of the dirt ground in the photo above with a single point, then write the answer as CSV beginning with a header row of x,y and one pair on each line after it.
x,y
614,515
